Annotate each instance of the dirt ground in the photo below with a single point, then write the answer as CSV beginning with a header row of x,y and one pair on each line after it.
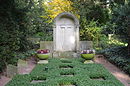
x,y
120,75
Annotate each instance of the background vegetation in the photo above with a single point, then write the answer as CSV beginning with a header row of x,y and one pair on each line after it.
x,y
20,19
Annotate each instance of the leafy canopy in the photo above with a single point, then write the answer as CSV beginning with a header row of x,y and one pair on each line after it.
x,y
56,7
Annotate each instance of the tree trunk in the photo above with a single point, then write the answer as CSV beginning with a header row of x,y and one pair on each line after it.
x,y
129,45
126,1
128,35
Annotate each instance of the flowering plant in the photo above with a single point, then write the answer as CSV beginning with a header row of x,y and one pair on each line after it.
x,y
88,52
43,51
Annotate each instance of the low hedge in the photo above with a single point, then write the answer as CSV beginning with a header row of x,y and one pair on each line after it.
x,y
118,56
83,74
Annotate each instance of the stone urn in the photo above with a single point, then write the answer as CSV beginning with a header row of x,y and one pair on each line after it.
x,y
88,54
43,54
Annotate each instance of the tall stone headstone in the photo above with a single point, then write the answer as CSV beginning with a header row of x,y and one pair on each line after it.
x,y
66,32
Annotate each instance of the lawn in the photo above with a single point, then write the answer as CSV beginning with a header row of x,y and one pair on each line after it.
x,y
66,72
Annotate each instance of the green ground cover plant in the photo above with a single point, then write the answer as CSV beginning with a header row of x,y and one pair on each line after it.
x,y
118,56
79,74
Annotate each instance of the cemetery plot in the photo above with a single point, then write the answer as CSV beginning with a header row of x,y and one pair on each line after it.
x,y
78,74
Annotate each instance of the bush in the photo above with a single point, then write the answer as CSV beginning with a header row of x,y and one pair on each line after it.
x,y
25,55
90,31
20,19
118,56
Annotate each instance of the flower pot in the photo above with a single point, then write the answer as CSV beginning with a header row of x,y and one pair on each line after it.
x,y
43,56
88,56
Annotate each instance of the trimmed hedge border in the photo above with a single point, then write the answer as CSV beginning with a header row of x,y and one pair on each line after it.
x,y
82,74
119,57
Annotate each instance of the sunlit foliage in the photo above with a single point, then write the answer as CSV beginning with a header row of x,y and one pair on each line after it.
x,y
55,7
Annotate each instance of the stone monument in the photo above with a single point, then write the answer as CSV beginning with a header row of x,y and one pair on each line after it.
x,y
66,33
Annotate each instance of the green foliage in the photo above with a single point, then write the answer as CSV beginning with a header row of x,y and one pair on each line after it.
x,y
20,19
110,41
121,18
90,31
91,10
9,34
55,7
108,28
51,73
93,14
118,56
25,55
119,25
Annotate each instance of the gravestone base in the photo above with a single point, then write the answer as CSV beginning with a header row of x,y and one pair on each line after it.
x,y
88,62
43,62
65,55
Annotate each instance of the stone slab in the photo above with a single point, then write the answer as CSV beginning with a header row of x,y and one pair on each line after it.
x,y
67,75
43,62
65,55
22,63
88,62
67,85
11,70
37,81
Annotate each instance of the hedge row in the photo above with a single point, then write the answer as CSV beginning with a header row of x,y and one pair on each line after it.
x,y
118,56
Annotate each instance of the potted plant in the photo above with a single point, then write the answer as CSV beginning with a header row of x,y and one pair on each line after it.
x,y
88,54
43,53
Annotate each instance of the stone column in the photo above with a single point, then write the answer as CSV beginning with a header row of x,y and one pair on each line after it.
x,y
77,38
54,38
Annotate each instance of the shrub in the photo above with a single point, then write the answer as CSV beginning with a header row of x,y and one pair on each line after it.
x,y
118,56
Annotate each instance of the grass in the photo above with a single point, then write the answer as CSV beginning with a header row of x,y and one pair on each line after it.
x,y
51,74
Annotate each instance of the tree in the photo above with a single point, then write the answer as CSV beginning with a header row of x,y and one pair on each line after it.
x,y
91,32
92,10
121,18
9,33
18,20
54,7
93,13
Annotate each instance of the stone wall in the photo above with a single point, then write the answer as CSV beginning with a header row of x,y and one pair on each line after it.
x,y
82,46
46,45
